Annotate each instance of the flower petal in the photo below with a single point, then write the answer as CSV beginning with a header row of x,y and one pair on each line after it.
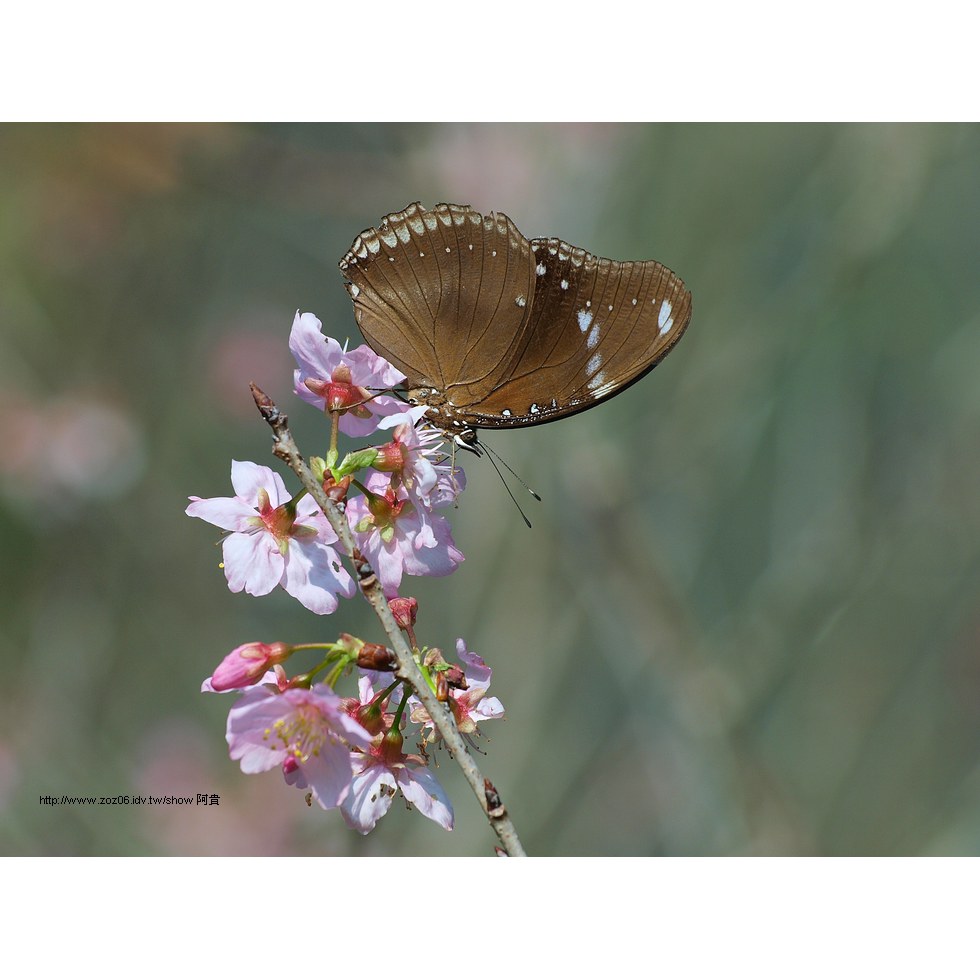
x,y
248,478
314,575
371,792
252,562
228,513
420,787
328,774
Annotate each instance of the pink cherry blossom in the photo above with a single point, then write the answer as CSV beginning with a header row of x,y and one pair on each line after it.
x,y
425,469
470,706
384,770
399,537
305,731
319,357
275,541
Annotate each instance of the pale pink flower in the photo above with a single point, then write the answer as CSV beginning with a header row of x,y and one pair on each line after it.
x,y
379,775
275,541
319,357
470,706
305,731
384,769
398,536
425,469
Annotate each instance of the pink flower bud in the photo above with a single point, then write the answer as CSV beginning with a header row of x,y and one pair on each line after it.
x,y
247,664
404,610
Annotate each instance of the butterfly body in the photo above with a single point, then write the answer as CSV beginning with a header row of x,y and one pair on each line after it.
x,y
494,330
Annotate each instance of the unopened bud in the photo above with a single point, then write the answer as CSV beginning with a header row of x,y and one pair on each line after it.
x,y
247,664
442,687
373,656
404,610
336,490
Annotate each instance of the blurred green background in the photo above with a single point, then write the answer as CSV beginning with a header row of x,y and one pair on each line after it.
x,y
747,618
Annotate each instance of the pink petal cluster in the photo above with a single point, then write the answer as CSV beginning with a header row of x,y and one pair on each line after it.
x,y
346,753
381,771
470,706
319,357
273,542
305,731
400,537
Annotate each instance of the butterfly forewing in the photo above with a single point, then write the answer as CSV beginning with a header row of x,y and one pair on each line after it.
x,y
513,332
435,292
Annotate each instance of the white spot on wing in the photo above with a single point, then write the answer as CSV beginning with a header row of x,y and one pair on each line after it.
x,y
354,291
540,270
665,320
595,362
506,412
584,319
520,301
593,337
564,284
535,409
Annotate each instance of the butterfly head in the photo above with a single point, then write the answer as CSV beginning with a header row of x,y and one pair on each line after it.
x,y
444,415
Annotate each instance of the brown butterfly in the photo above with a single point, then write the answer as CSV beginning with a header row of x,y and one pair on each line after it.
x,y
494,331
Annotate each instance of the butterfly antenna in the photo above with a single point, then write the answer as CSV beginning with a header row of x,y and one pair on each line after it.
x,y
507,488
512,473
